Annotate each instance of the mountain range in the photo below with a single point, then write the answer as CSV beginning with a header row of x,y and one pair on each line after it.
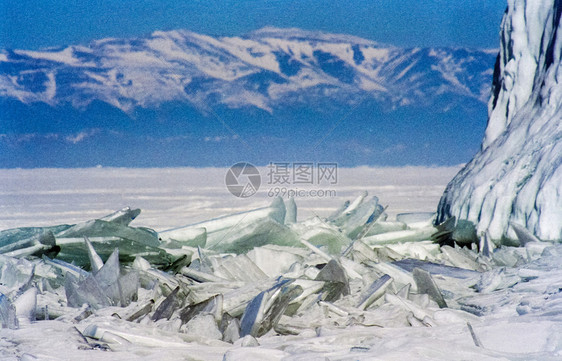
x,y
181,98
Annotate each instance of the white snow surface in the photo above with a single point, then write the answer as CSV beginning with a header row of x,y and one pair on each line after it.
x,y
517,175
173,197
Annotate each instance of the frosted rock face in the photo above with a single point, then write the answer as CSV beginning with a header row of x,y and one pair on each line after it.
x,y
517,175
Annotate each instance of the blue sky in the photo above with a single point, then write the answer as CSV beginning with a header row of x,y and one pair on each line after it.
x,y
33,24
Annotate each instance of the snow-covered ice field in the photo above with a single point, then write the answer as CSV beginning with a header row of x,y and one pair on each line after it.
x,y
515,309
172,197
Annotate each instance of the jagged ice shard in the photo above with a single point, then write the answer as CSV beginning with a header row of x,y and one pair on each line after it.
x,y
309,300
517,175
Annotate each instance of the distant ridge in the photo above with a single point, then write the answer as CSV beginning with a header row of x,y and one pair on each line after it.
x,y
178,98
266,69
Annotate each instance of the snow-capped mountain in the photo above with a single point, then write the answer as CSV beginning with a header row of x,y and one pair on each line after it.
x,y
517,175
266,69
179,98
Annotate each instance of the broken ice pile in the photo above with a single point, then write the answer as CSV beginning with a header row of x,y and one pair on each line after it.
x,y
243,277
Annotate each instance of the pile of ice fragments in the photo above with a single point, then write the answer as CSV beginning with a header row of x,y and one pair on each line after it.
x,y
233,280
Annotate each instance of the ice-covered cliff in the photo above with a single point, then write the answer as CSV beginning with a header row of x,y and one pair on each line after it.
x,y
517,175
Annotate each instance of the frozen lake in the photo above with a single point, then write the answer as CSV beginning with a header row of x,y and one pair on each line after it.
x,y
513,300
172,197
